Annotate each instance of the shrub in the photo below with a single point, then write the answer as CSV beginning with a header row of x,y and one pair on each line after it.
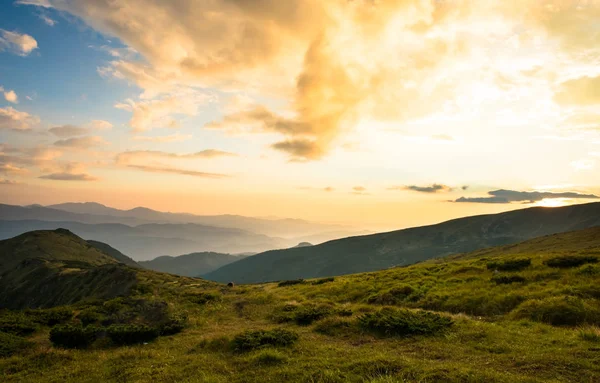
x,y
17,324
131,334
589,270
507,279
391,322
302,315
306,315
69,336
558,311
569,261
393,296
51,317
175,324
510,264
291,282
323,280
205,298
269,358
11,344
89,316
334,327
251,340
344,312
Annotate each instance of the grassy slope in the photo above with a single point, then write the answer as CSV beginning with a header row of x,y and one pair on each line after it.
x,y
488,343
48,268
191,265
403,247
116,254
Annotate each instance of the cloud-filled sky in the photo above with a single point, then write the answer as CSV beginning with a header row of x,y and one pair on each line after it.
x,y
383,114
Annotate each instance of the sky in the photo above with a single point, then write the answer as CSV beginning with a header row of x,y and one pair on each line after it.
x,y
381,114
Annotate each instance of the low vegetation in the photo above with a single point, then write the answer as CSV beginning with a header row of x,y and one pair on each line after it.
x,y
445,320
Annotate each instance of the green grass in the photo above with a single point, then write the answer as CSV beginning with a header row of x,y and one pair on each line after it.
x,y
542,329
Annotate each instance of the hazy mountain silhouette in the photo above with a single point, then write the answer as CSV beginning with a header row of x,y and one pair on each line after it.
x,y
191,265
148,241
404,247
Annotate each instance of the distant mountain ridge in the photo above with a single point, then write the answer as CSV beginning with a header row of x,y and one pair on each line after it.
x,y
408,246
191,265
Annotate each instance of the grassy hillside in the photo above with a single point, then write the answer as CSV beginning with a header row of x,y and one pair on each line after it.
x,y
191,265
404,247
49,268
524,313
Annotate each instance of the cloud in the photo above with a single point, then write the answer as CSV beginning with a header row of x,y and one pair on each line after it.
x,y
10,95
153,169
259,119
434,188
68,177
300,149
140,155
584,164
330,65
508,196
580,91
164,139
4,181
68,131
81,142
46,19
8,168
17,43
15,120
159,113
100,125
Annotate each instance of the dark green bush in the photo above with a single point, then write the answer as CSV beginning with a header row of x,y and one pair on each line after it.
x,y
323,280
251,340
291,282
395,295
569,261
51,317
11,344
507,279
558,311
175,324
17,324
334,327
69,336
131,334
306,315
89,316
301,314
510,264
393,322
207,297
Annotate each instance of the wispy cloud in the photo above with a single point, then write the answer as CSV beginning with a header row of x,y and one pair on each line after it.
x,y
164,139
81,142
13,119
68,177
153,169
508,196
434,188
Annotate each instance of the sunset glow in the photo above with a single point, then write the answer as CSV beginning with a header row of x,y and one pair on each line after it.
x,y
383,114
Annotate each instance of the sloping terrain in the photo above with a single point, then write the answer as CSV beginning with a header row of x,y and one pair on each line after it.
x,y
524,313
190,265
116,254
50,268
405,247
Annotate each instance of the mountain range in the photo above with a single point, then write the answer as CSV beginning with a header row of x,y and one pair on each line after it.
x,y
405,247
191,265
145,234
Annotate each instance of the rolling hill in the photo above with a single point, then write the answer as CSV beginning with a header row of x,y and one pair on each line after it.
x,y
520,313
191,265
50,268
404,247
